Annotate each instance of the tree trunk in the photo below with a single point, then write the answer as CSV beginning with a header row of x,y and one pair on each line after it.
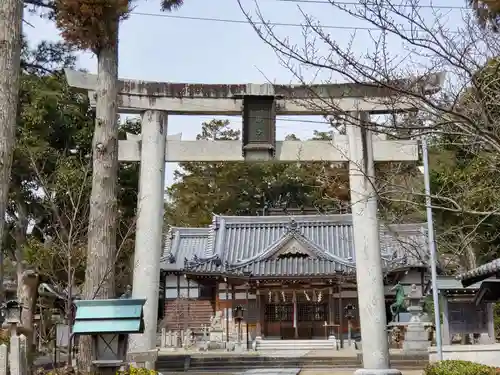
x,y
27,294
11,12
101,252
27,279
470,261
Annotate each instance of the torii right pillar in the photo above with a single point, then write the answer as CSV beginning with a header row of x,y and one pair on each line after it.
x,y
367,249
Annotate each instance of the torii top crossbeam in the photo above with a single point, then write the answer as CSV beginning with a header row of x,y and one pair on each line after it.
x,y
136,96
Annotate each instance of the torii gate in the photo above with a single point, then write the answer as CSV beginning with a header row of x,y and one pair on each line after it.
x,y
259,105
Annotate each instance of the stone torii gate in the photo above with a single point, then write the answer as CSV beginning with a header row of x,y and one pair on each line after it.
x,y
259,105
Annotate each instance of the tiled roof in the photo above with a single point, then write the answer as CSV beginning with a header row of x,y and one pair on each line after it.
x,y
248,238
181,243
279,268
480,273
445,283
236,241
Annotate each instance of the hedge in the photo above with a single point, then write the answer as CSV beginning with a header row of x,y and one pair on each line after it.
x,y
456,367
71,371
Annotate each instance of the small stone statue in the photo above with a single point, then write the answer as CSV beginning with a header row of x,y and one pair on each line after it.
x,y
128,292
414,293
216,332
396,335
216,322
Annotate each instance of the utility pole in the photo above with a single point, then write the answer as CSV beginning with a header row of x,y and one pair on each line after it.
x,y
432,248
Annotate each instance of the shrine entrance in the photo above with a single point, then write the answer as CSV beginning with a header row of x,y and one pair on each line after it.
x,y
307,322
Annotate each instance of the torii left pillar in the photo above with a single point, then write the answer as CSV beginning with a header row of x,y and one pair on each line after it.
x,y
149,225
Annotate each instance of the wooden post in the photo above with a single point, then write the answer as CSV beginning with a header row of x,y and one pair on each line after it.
x,y
341,316
331,317
295,320
233,297
162,296
446,339
226,312
188,301
258,325
247,314
177,302
178,286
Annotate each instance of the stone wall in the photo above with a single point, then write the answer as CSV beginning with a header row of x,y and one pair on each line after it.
x,y
485,354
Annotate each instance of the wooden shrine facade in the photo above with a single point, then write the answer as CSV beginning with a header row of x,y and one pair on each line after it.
x,y
295,308
293,276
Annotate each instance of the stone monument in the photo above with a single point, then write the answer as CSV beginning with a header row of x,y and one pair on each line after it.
x,y
416,337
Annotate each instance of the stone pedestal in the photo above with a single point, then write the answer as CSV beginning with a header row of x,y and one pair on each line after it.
x,y
485,339
216,336
416,337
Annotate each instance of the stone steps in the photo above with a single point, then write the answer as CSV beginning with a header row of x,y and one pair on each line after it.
x,y
228,363
276,345
234,363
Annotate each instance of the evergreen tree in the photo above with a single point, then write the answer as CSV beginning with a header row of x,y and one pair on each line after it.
x,y
239,188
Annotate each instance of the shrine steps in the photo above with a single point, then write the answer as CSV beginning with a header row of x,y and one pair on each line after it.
x,y
206,363
279,345
234,363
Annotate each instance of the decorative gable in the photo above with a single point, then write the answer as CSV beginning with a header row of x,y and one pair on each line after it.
x,y
293,249
292,244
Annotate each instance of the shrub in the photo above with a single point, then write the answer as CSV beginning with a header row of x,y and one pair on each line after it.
x,y
137,371
70,371
4,337
456,367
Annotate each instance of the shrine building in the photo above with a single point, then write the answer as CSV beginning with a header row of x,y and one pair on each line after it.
x,y
293,276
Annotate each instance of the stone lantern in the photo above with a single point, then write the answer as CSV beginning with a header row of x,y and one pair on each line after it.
x,y
11,313
349,315
238,314
416,336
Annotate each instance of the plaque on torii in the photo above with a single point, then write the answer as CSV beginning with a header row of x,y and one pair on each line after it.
x,y
259,127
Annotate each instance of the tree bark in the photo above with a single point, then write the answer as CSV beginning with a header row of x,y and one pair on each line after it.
x,y
27,294
470,261
27,279
11,12
101,252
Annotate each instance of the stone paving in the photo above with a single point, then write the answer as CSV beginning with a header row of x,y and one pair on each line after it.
x,y
290,353
295,353
271,371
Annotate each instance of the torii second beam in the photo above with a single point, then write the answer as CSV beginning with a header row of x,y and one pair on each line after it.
x,y
286,151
